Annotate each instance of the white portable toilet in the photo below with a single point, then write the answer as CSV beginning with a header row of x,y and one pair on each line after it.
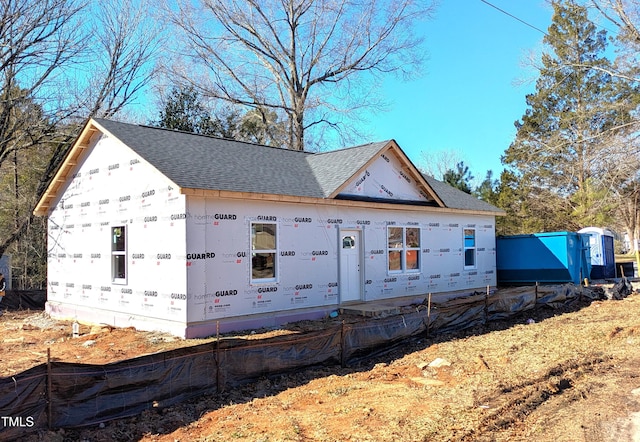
x,y
603,261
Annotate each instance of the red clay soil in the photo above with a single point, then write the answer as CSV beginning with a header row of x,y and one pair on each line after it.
x,y
547,376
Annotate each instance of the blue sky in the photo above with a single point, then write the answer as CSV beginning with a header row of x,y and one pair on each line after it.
x,y
468,97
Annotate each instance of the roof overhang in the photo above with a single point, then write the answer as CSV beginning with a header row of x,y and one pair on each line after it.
x,y
249,196
66,169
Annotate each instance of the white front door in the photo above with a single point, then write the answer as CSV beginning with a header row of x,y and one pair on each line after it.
x,y
350,256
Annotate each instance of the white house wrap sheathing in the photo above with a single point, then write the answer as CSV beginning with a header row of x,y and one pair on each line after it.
x,y
113,187
307,266
189,258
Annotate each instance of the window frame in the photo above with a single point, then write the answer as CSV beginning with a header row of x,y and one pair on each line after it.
x,y
405,250
115,254
352,243
466,248
273,251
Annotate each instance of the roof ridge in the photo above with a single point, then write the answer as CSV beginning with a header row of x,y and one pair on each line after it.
x,y
178,131
341,149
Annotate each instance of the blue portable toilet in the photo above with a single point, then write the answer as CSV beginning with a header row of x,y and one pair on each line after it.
x,y
603,260
550,258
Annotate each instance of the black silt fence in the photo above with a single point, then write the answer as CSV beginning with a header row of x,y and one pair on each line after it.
x,y
66,395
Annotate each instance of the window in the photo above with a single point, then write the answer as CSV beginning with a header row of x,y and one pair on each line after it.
x,y
403,249
119,254
349,242
469,248
263,251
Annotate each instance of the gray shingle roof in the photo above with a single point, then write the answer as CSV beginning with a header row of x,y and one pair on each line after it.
x,y
202,162
336,167
457,199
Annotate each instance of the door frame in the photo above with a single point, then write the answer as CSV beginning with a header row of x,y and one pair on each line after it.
x,y
359,234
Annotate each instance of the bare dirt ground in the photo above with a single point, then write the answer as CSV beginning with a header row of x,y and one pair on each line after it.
x,y
548,375
26,336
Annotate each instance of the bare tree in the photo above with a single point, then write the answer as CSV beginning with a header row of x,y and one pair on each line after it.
x,y
300,58
37,38
624,185
67,60
436,163
624,14
125,39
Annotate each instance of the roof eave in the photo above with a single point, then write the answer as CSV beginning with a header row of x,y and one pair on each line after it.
x,y
255,196
68,164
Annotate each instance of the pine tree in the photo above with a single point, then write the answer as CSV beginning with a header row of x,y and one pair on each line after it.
x,y
460,178
487,190
184,111
560,160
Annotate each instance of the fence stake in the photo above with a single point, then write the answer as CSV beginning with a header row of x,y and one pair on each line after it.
x,y
486,306
218,357
428,314
342,344
49,417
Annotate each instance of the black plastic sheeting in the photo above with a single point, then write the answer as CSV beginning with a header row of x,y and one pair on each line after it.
x,y
458,313
23,403
24,299
364,340
507,303
83,394
65,395
249,360
620,290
